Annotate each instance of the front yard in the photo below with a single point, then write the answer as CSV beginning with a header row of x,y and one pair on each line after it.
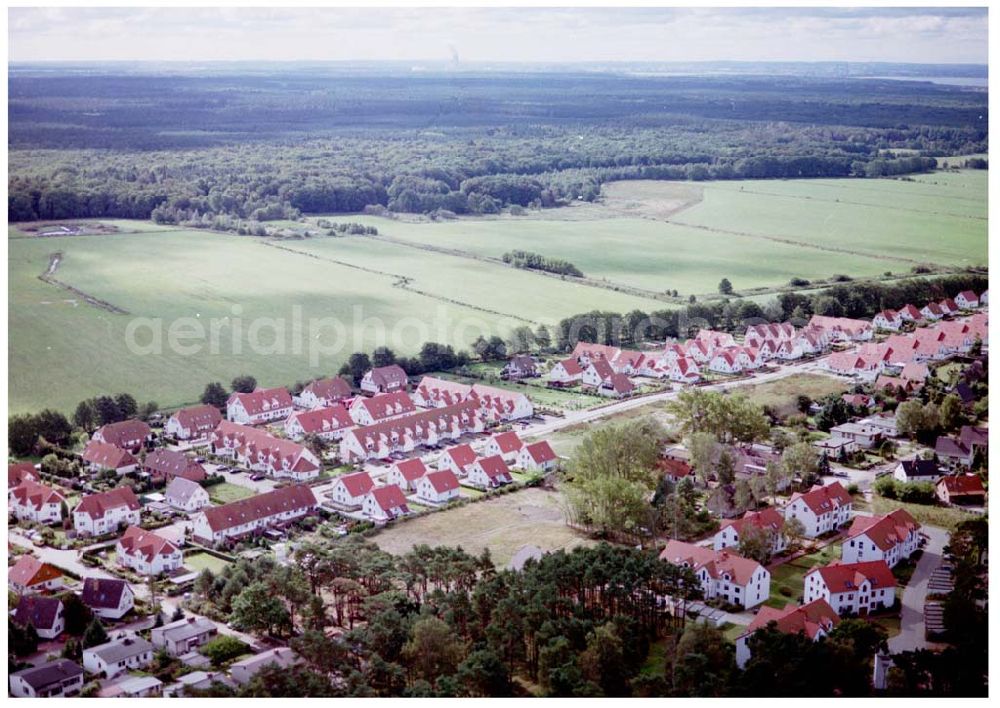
x,y
787,578
226,492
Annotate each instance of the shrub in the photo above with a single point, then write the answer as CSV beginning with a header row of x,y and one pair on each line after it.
x,y
222,649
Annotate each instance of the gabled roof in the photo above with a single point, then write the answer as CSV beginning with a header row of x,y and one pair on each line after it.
x,y
949,447
442,481
848,577
571,366
920,468
181,490
449,392
198,418
36,495
103,593
139,542
323,420
509,441
293,498
107,455
121,649
49,674
40,612
968,295
332,389
963,484
389,497
357,484
97,505
29,571
916,372
388,376
541,452
263,400
416,425
261,444
821,500
974,436
386,405
170,463
494,467
462,455
715,563
498,399
20,471
411,470
124,433
595,351
621,383
769,519
809,619
884,531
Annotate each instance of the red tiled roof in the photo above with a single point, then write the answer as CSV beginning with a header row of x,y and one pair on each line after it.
x,y
595,351
768,519
170,463
621,383
358,483
821,500
297,497
386,405
198,419
716,563
541,452
442,419
20,471
848,577
107,455
35,495
389,376
332,389
139,542
443,481
448,392
389,497
499,399
809,618
509,441
324,420
263,399
963,484
412,469
884,531
28,571
124,433
97,505
462,455
261,444
494,467
572,366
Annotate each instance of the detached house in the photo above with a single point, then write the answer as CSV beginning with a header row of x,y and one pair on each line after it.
x,y
537,456
821,509
565,373
519,367
892,538
734,579
108,598
618,386
967,300
29,576
100,456
458,459
888,319
350,490
815,620
98,514
128,653
852,588
407,473
128,435
438,487
917,470
18,472
961,489
910,313
597,373
508,445
260,406
183,636
185,495
768,522
325,423
932,311
193,423
385,503
45,614
385,379
164,465
489,473
147,553
55,678
246,516
383,406
323,393
36,502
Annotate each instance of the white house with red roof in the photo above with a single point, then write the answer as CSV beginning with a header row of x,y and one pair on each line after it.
x,y
842,329
586,353
406,473
323,393
129,435
932,311
433,392
500,405
29,576
18,472
889,320
458,459
385,379
438,487
326,423
104,512
382,406
193,423
100,456
967,300
961,489
892,538
508,445
852,588
147,553
618,386
260,406
489,473
537,456
948,306
910,313
404,434
722,574
253,514
596,373
31,501
565,372
350,490
684,370
263,452
815,620
768,522
385,503
821,509
812,341
756,335
727,361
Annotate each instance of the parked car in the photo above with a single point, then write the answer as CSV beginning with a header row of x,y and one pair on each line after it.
x,y
200,460
257,476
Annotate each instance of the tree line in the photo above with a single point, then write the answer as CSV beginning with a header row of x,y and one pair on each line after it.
x,y
536,261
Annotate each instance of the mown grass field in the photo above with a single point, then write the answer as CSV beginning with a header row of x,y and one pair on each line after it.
x,y
782,395
225,492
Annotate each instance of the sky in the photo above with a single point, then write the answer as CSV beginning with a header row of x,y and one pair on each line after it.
x,y
921,35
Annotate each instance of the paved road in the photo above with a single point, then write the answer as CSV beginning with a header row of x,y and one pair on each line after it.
x,y
911,635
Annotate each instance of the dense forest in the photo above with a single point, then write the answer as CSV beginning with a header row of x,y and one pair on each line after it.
x,y
272,144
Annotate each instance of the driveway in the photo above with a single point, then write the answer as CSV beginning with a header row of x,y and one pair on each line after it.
x,y
911,635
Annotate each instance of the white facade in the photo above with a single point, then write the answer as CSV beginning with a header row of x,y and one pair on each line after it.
x,y
862,548
48,512
163,562
427,492
118,656
857,600
112,519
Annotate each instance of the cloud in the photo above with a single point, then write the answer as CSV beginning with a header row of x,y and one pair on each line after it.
x,y
500,34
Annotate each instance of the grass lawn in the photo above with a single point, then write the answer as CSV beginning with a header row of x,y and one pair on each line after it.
x,y
732,631
199,561
226,492
656,660
781,395
789,576
503,524
941,516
